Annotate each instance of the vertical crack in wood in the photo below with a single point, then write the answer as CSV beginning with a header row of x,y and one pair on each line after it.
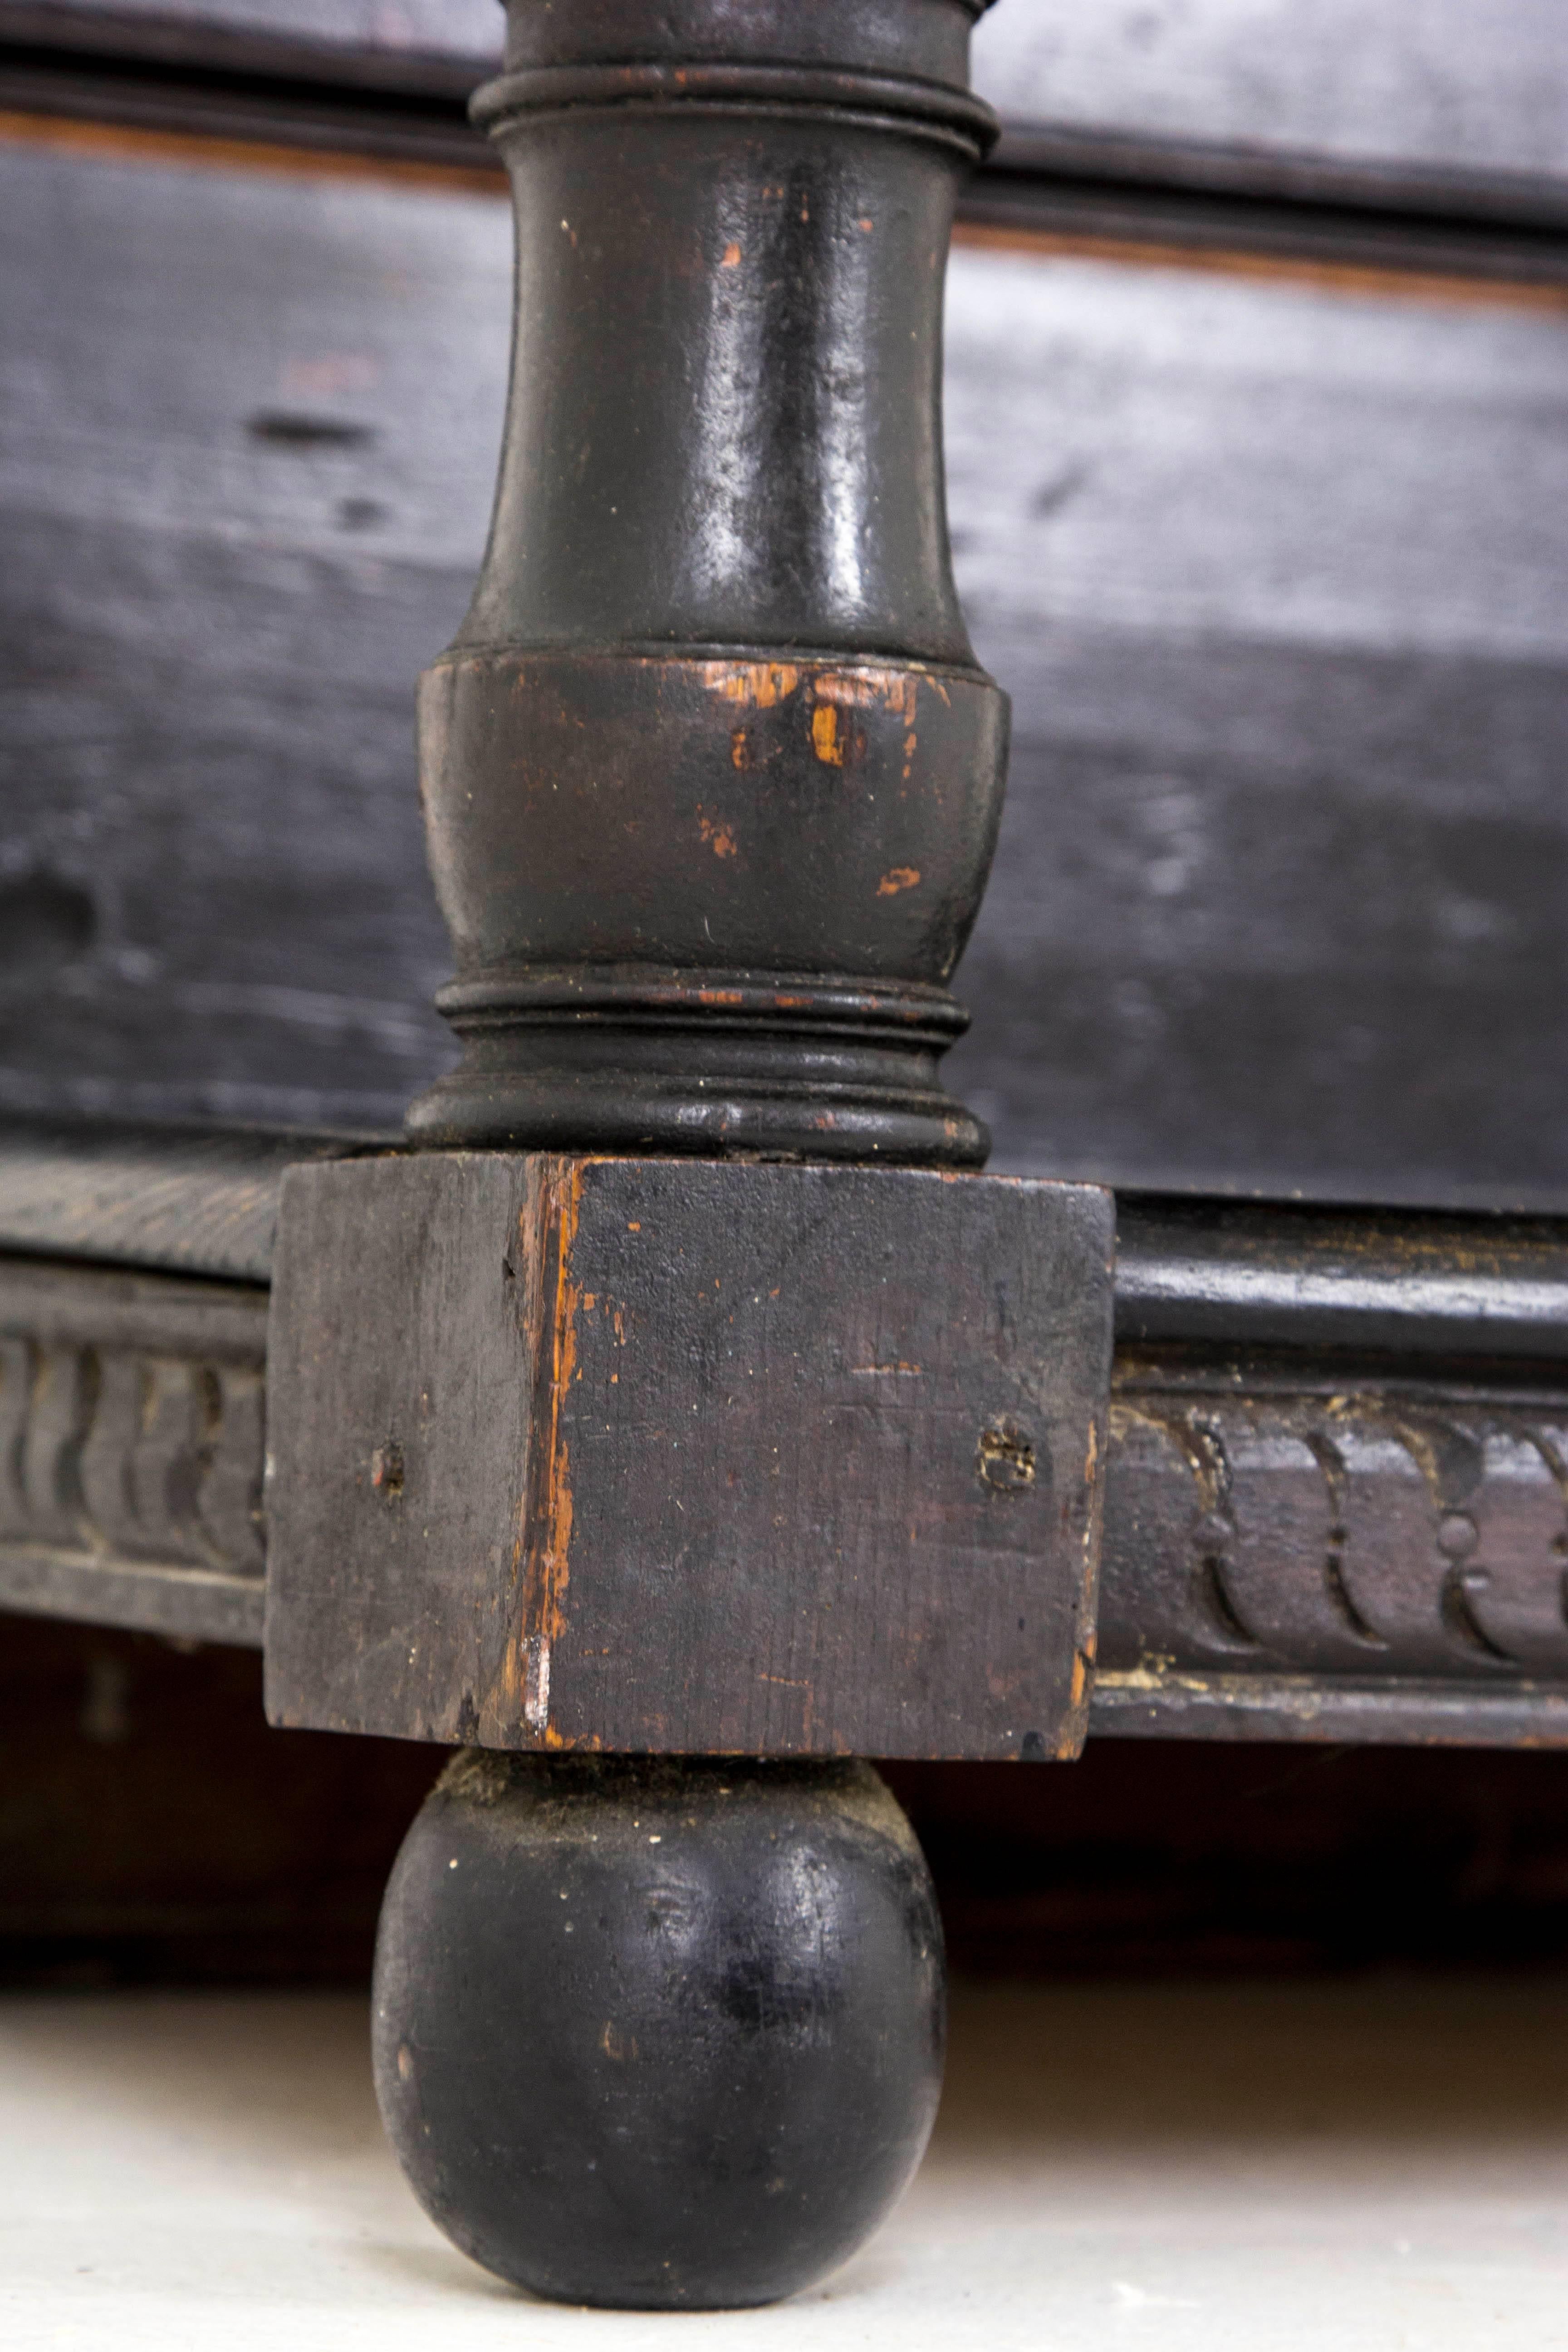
x,y
543,1543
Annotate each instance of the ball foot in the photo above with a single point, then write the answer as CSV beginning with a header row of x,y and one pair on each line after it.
x,y
660,2032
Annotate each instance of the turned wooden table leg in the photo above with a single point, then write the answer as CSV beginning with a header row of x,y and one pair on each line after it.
x,y
626,1413
711,775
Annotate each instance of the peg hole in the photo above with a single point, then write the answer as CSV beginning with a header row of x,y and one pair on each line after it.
x,y
1006,1458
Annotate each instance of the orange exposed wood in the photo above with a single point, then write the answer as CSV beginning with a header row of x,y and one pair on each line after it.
x,y
114,142
1367,279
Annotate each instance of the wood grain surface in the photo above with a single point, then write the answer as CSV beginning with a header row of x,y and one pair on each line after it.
x,y
651,1454
1456,83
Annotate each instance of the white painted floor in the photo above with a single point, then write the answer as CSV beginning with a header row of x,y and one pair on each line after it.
x,y
1265,2166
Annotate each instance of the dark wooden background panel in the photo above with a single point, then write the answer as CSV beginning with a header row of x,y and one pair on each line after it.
x,y
1450,82
243,482
461,28
1250,456
1275,575
1273,570
274,355
1268,921
215,877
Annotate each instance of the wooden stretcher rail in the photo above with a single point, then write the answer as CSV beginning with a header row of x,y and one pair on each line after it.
x,y
1336,1507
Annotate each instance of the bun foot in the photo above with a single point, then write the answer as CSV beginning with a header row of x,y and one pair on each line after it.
x,y
658,2033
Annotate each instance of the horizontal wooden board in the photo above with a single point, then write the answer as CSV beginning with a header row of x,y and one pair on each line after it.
x,y
1279,897
457,29
1448,82
144,1596
241,512
200,1201
1230,1708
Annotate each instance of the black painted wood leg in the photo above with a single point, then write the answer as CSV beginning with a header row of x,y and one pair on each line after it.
x,y
711,775
713,780
659,2032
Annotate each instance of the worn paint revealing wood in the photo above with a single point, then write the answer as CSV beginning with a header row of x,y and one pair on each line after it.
x,y
536,1684
557,1205
795,1453
1076,1728
759,685
824,739
761,768
894,688
882,685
